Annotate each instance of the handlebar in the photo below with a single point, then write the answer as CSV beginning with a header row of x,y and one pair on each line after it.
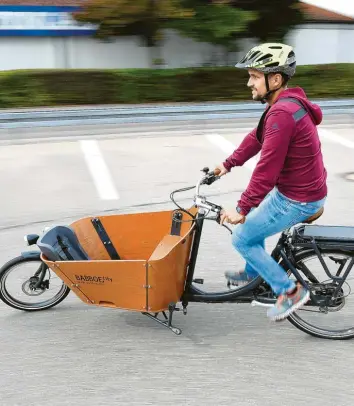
x,y
209,178
200,201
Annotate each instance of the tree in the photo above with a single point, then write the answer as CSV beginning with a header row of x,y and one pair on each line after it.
x,y
144,18
275,18
212,21
215,22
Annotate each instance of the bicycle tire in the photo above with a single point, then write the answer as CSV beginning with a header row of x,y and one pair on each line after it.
x,y
311,329
10,301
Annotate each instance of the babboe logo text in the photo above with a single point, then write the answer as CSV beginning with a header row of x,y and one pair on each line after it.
x,y
93,279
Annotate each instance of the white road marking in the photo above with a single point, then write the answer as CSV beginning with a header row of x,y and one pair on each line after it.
x,y
228,147
333,137
99,170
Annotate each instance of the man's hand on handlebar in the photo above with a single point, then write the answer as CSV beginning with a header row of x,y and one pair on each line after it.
x,y
231,217
220,170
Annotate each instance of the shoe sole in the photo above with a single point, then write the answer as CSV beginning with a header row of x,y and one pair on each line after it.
x,y
292,309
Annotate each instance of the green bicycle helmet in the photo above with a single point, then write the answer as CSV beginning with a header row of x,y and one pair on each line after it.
x,y
270,58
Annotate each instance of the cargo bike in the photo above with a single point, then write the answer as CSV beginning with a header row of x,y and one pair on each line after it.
x,y
145,262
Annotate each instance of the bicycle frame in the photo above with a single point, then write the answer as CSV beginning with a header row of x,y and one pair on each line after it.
x,y
247,293
244,294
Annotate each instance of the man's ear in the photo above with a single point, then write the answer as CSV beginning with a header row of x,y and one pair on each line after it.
x,y
282,80
278,79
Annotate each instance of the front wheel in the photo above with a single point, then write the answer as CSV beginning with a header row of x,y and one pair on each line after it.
x,y
26,283
334,318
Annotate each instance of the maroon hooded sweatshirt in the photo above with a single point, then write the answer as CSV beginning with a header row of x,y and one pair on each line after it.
x,y
291,157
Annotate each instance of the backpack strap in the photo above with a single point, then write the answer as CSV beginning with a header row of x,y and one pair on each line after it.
x,y
259,132
298,115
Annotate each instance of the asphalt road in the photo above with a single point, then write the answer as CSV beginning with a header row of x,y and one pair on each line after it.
x,y
75,354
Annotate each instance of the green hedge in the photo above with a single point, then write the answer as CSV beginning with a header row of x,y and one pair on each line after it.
x,y
31,88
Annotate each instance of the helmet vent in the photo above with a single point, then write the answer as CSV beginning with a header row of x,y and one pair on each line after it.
x,y
263,57
291,59
254,54
272,64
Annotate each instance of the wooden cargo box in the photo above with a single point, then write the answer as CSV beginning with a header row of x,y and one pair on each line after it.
x,y
152,268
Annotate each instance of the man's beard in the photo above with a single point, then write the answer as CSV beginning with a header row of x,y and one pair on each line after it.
x,y
258,97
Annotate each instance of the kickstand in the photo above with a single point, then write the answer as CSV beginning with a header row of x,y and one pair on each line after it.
x,y
168,320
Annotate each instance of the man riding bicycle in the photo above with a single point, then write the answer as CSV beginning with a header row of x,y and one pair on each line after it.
x,y
288,184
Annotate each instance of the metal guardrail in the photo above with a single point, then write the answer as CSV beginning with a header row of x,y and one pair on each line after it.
x,y
142,114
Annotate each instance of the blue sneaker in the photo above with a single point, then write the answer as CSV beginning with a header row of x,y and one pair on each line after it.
x,y
287,304
238,278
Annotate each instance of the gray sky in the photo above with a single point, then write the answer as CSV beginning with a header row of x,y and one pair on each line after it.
x,y
345,7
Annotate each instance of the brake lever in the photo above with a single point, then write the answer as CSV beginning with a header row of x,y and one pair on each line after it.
x,y
209,179
223,225
228,228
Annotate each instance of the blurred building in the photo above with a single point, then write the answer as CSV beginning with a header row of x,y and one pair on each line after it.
x,y
42,34
324,38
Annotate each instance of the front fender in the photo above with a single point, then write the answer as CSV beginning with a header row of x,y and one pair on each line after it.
x,y
31,254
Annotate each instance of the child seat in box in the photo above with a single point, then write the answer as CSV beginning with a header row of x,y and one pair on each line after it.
x,y
152,254
61,244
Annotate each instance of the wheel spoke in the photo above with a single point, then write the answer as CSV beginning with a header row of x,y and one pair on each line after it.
x,y
336,318
311,277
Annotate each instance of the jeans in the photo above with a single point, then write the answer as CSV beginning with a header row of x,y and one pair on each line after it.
x,y
272,216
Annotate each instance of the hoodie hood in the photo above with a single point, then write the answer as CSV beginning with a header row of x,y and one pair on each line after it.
x,y
298,93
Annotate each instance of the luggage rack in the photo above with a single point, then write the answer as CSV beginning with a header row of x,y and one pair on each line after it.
x,y
321,238
311,236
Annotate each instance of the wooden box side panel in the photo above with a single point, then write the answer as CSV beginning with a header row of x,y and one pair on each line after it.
x,y
167,273
134,236
89,239
68,282
117,284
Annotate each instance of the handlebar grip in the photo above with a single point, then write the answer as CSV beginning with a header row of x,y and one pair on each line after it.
x,y
211,178
218,217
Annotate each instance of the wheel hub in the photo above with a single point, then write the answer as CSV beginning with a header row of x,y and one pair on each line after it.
x,y
29,287
334,304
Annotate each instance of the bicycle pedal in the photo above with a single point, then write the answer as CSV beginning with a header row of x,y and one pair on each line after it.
x,y
260,304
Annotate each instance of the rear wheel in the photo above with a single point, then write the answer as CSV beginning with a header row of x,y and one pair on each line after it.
x,y
334,319
26,283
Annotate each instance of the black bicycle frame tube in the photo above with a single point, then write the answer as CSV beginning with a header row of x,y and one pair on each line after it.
x,y
42,270
195,248
344,277
192,294
300,278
